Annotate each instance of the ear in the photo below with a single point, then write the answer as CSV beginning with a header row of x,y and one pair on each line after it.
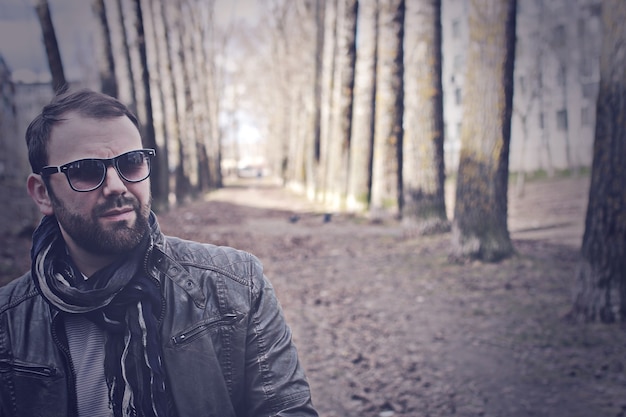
x,y
39,193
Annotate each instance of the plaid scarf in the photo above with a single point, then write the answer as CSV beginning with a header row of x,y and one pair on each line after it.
x,y
123,300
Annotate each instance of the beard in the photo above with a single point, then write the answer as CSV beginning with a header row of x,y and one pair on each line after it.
x,y
88,233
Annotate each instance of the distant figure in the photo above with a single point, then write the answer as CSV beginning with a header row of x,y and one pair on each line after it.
x,y
117,319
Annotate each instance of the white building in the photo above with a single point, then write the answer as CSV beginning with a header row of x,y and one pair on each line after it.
x,y
556,82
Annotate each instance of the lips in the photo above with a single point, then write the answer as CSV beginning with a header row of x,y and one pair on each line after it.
x,y
118,213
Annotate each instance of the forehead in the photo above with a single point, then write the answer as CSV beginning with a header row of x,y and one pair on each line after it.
x,y
78,137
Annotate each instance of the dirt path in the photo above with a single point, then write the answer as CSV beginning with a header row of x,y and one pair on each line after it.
x,y
387,327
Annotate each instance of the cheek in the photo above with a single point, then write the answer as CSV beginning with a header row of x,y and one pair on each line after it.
x,y
73,202
141,191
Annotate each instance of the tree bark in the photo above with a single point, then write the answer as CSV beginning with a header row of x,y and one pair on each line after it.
x,y
128,94
364,105
59,83
214,46
329,99
144,108
156,82
186,168
480,214
423,172
601,292
340,122
387,159
106,60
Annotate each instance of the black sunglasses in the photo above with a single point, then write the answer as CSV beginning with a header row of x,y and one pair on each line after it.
x,y
88,174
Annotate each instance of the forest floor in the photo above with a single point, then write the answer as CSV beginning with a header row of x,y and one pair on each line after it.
x,y
387,326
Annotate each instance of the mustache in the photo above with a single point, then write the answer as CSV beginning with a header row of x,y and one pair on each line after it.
x,y
117,202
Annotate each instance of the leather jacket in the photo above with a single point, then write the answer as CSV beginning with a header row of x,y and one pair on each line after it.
x,y
226,348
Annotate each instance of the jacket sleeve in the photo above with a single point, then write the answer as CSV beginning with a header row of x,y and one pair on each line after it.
x,y
276,382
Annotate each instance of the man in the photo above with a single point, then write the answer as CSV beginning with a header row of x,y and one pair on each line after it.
x,y
116,319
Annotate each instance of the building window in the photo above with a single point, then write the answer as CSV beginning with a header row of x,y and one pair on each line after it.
x,y
586,68
561,119
458,61
589,90
582,28
456,29
558,35
585,116
541,121
458,99
561,76
522,85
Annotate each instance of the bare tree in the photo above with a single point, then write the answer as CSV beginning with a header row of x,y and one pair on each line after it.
x,y
601,293
106,60
127,91
423,172
340,115
144,100
480,214
52,48
214,45
387,162
156,79
329,97
362,138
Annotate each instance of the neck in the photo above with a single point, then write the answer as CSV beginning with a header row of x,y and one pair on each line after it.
x,y
87,262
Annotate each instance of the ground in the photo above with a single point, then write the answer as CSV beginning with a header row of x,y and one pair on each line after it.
x,y
387,326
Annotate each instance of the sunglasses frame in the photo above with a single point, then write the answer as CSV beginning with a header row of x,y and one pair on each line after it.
x,y
49,170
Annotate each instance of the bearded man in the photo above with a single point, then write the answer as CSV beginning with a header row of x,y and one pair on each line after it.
x,y
117,319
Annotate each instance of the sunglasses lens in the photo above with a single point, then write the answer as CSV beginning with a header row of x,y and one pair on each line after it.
x,y
134,166
86,174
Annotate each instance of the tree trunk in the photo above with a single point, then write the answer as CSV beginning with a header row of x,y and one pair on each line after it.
x,y
144,108
196,68
387,162
55,63
340,122
329,98
320,18
156,82
187,167
362,139
346,101
168,88
423,172
214,46
601,293
127,91
106,61
480,213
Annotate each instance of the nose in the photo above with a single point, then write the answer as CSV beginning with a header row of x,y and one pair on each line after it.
x,y
113,183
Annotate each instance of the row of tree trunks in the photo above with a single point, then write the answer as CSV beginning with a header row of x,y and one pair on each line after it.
x,y
360,125
159,57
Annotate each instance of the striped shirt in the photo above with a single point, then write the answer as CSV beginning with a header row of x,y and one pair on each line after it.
x,y
86,343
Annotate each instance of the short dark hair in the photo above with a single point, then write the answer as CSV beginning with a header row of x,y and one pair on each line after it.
x,y
87,103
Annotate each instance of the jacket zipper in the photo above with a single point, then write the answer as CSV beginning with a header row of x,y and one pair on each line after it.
x,y
189,335
37,370
156,281
71,379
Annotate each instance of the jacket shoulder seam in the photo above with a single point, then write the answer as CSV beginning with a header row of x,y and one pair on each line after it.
x,y
16,302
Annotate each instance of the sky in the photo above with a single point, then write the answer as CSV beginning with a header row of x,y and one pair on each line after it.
x,y
21,43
